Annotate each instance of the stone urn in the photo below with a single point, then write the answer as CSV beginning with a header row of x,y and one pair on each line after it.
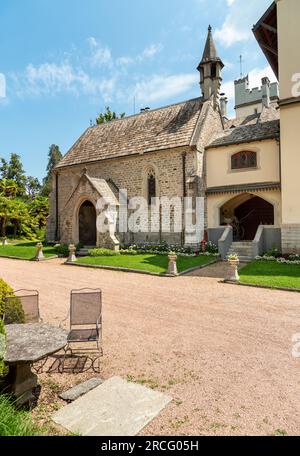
x,y
39,256
172,268
233,270
72,253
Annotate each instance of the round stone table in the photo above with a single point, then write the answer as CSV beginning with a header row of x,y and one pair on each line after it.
x,y
26,344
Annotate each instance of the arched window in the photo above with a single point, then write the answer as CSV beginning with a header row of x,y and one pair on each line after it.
x,y
151,187
244,159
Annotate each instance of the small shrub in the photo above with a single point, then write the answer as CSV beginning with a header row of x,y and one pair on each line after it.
x,y
128,252
63,249
5,290
273,252
3,367
13,312
102,252
211,247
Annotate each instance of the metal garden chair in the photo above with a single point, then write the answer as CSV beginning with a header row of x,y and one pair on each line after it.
x,y
29,300
85,317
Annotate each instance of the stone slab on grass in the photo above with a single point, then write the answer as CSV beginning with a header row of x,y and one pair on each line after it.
x,y
79,390
115,408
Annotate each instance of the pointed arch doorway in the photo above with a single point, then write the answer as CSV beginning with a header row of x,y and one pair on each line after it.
x,y
87,224
246,212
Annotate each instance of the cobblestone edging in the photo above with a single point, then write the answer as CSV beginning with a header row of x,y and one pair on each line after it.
x,y
139,271
29,259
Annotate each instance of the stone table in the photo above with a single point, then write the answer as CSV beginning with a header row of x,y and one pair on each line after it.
x,y
26,344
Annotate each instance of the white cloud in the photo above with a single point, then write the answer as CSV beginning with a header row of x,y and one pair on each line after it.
x,y
151,51
158,88
50,79
100,55
95,73
239,21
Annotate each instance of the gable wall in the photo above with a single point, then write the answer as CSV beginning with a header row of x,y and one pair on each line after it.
x,y
127,173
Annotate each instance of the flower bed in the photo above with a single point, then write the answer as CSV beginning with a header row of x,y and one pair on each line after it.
x,y
291,259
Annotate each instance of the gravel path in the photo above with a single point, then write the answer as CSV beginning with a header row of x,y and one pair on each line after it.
x,y
222,352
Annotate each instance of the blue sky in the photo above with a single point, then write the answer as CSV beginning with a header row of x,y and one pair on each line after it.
x,y
65,60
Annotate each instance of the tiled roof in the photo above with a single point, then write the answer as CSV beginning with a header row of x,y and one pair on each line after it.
x,y
256,127
164,128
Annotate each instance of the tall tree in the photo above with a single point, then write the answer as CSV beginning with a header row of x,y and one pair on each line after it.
x,y
13,170
33,186
54,157
107,116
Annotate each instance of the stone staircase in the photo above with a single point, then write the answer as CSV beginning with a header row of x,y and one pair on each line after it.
x,y
244,249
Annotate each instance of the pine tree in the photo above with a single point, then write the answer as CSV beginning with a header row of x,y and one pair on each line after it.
x,y
54,157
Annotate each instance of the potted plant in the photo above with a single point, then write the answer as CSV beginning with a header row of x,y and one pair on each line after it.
x,y
172,256
233,259
172,267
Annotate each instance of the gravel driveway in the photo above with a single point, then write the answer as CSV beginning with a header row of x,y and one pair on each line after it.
x,y
222,352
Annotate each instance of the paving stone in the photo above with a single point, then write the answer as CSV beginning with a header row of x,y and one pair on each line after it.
x,y
79,390
115,408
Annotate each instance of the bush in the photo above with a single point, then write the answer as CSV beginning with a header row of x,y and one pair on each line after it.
x,y
63,249
102,252
273,252
3,367
13,312
211,248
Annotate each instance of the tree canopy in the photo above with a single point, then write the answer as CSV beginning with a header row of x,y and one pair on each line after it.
x,y
108,116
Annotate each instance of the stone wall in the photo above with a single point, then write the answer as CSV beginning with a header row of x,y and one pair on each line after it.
x,y
290,238
125,173
130,173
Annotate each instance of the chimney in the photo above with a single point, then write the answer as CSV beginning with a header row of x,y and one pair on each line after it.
x,y
223,106
266,92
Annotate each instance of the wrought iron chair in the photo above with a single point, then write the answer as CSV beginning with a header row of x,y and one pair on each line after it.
x,y
85,331
29,300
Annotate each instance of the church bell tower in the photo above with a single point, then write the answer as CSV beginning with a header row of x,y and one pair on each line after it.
x,y
210,69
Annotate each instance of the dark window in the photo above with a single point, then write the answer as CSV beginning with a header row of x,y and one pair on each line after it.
x,y
245,159
214,70
151,187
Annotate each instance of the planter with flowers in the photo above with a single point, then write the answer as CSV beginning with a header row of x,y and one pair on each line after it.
x,y
172,267
232,270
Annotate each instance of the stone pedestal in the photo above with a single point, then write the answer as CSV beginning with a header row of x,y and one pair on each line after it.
x,y
39,256
22,382
72,253
172,268
232,271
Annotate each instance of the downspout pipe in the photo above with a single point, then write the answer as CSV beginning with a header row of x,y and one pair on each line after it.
x,y
184,196
56,208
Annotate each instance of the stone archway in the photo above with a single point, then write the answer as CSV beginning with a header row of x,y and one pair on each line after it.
x,y
246,212
87,220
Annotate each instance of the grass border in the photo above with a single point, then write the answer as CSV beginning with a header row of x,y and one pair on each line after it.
x,y
264,287
140,271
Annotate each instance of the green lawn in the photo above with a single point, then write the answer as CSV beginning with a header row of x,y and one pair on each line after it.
x,y
146,262
25,250
271,274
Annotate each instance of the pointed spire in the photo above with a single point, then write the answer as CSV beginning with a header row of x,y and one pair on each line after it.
x,y
210,53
